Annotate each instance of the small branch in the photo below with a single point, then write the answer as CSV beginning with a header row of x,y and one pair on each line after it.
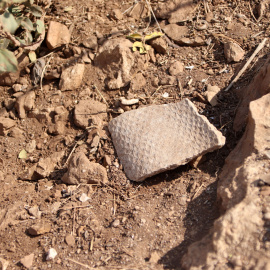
x,y
81,264
167,39
260,46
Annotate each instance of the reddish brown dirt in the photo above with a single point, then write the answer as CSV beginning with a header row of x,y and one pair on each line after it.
x,y
164,214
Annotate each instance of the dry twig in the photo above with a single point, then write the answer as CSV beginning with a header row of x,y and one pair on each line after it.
x,y
243,69
81,264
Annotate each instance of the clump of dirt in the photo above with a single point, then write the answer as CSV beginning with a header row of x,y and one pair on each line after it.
x,y
59,108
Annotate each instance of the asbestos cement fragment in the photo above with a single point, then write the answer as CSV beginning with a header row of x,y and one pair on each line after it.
x,y
157,138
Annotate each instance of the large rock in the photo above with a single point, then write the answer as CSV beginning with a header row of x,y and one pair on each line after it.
x,y
175,10
71,77
57,35
5,125
238,237
116,60
89,112
232,189
176,32
157,138
82,171
258,87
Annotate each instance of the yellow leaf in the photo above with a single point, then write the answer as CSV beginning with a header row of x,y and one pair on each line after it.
x,y
23,154
153,35
135,36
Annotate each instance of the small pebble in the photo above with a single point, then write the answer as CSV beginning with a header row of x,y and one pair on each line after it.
x,y
51,254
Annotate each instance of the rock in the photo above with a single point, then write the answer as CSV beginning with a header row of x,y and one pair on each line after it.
x,y
107,161
233,52
46,166
81,170
27,261
117,14
91,43
175,11
194,42
57,35
154,257
242,202
211,94
254,140
58,124
157,138
51,254
168,80
176,68
116,60
35,212
39,229
139,11
89,112
259,86
265,178
70,240
31,146
159,44
57,128
17,87
116,223
5,125
175,32
9,103
138,82
84,198
71,77
4,264
25,103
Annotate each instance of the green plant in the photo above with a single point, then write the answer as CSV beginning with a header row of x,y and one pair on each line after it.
x,y
21,25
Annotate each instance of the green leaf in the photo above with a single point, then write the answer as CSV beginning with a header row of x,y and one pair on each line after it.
x,y
8,61
27,24
9,22
32,56
22,154
36,10
40,26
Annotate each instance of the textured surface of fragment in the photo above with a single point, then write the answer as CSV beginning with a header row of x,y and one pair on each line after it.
x,y
82,171
157,138
58,34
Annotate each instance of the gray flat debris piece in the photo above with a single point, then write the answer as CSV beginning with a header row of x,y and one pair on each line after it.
x,y
157,138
